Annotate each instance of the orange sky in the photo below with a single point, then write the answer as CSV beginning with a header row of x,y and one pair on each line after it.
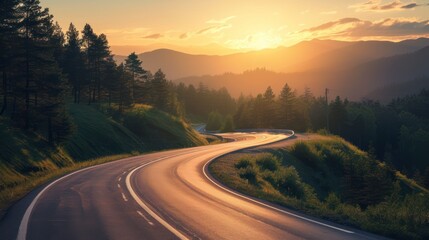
x,y
222,27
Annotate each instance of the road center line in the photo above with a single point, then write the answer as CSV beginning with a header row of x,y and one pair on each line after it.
x,y
145,207
145,218
124,197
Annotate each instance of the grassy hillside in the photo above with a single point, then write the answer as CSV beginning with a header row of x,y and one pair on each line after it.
x,y
332,179
27,160
159,130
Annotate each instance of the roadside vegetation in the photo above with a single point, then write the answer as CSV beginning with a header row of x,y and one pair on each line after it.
x,y
28,160
332,179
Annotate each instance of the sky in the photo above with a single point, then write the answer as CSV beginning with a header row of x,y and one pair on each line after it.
x,y
226,26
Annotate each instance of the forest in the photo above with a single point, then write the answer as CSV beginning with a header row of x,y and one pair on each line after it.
x,y
44,69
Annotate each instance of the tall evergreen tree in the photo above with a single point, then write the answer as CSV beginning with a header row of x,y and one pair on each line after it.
x,y
73,65
287,101
160,91
269,108
134,65
43,85
102,53
89,39
36,31
9,17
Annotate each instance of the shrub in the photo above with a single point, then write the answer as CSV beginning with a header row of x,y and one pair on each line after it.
x,y
289,182
243,163
332,201
250,174
307,154
268,162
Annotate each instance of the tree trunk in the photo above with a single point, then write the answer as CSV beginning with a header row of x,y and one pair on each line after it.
x,y
50,134
4,107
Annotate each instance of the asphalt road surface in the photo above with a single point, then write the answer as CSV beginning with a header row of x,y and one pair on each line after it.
x,y
165,195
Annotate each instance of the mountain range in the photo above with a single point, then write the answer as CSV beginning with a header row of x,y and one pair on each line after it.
x,y
349,69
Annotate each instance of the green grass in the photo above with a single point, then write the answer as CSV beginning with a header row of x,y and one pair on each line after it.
x,y
27,160
331,179
160,130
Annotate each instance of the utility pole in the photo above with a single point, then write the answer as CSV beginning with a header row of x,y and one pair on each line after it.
x,y
327,109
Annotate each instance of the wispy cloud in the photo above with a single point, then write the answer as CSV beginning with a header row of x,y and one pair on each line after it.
x,y
216,25
184,36
353,28
213,29
154,36
382,6
220,21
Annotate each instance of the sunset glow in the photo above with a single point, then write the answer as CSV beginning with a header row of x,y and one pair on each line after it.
x,y
223,27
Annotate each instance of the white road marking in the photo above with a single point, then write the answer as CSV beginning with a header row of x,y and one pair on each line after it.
x,y
119,179
145,218
119,186
124,197
145,207
23,226
266,205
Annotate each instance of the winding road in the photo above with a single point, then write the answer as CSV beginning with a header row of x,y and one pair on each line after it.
x,y
164,195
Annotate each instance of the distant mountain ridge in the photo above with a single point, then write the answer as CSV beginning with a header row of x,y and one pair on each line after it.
x,y
304,56
349,69
356,82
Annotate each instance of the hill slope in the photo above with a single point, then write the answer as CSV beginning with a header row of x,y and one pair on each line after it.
x,y
27,160
328,177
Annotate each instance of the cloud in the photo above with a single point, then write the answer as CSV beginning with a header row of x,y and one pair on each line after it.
x,y
380,6
154,36
329,25
214,29
220,21
353,28
184,36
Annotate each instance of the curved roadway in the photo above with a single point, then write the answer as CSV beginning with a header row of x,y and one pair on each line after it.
x,y
165,195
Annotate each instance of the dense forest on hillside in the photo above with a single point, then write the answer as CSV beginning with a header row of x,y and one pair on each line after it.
x,y
396,133
42,69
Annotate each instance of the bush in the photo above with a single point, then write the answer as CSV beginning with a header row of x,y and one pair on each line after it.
x,y
250,174
243,163
307,154
332,201
289,183
268,162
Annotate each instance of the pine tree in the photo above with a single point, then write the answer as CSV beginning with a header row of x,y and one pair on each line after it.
x,y
102,53
89,39
9,17
269,108
36,31
44,85
124,89
160,91
112,79
134,65
287,101
74,62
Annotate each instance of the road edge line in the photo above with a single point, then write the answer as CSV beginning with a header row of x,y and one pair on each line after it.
x,y
211,179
